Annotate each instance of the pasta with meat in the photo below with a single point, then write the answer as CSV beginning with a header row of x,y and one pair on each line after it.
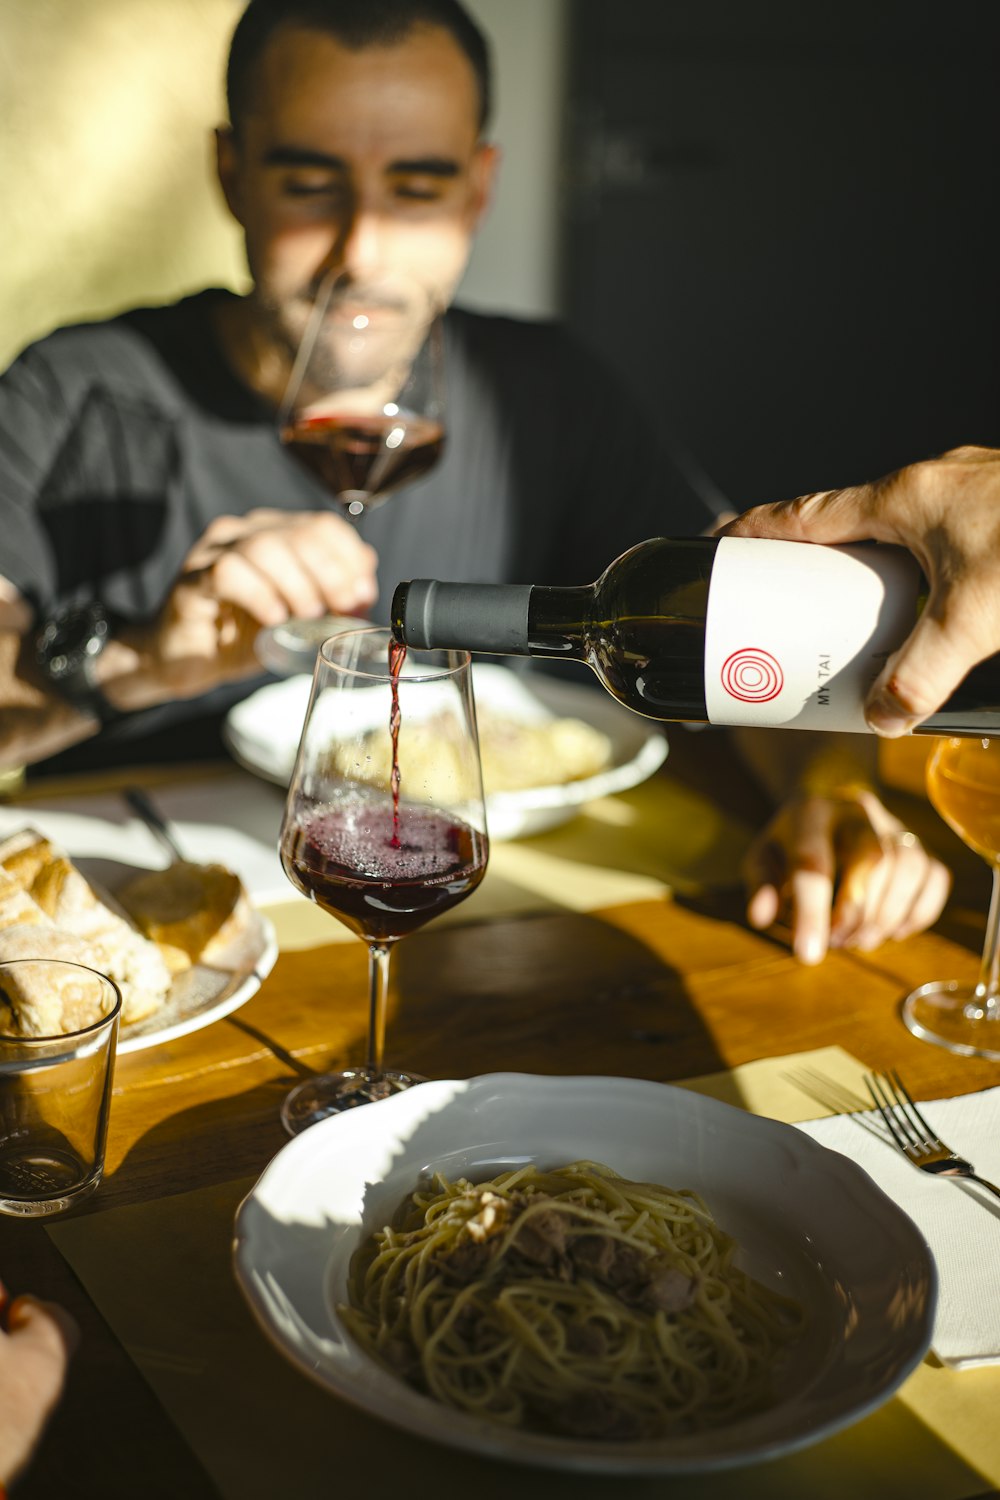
x,y
570,1301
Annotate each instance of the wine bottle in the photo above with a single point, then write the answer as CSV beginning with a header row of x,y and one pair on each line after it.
x,y
734,630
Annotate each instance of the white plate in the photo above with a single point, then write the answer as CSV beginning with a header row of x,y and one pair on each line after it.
x,y
807,1219
204,993
262,733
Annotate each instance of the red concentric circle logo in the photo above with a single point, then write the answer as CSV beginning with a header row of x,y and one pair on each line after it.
x,y
752,676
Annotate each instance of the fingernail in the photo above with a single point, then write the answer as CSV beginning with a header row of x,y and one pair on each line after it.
x,y
810,950
887,716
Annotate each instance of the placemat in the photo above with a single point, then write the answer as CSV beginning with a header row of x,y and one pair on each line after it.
x,y
260,1429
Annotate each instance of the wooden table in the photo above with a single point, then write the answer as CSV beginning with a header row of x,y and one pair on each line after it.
x,y
656,989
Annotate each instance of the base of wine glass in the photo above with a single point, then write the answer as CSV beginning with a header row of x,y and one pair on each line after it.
x,y
328,1094
951,1015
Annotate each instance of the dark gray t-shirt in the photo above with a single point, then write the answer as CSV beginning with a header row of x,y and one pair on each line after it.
x,y
122,440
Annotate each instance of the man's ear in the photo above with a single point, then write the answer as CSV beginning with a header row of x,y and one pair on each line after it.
x,y
227,166
485,167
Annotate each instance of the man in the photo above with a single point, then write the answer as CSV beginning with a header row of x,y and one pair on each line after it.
x,y
153,521
946,510
142,471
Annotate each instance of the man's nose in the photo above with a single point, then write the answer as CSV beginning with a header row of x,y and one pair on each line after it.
x,y
360,242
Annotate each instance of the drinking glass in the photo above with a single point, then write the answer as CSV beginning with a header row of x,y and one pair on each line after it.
x,y
963,784
384,824
55,1089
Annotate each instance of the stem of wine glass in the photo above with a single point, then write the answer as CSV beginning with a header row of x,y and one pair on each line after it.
x,y
378,991
304,353
986,989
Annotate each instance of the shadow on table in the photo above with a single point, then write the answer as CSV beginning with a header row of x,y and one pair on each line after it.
x,y
552,993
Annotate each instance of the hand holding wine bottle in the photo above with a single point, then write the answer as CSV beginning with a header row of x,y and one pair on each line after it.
x,y
736,630
747,633
947,512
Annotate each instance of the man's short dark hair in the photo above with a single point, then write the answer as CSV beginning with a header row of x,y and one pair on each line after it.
x,y
356,24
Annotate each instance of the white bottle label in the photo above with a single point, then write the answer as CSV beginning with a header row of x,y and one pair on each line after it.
x,y
796,633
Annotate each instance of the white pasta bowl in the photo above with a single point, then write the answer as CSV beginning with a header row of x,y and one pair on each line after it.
x,y
809,1222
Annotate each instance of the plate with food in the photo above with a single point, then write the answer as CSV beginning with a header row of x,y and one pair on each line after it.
x,y
547,746
595,1274
184,945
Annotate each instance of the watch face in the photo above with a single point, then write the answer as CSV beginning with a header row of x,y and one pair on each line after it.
x,y
70,639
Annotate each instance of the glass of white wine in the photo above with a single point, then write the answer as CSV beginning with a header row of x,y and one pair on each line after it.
x,y
963,784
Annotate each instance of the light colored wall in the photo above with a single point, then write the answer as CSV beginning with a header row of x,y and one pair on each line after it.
x,y
106,109
105,172
514,264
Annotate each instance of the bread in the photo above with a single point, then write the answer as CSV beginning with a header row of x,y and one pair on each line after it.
x,y
70,905
192,911
62,1000
17,909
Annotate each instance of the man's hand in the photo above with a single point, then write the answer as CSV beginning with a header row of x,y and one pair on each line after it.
x,y
947,512
842,872
244,573
34,1351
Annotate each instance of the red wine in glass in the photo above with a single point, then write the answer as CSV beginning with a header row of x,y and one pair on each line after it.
x,y
357,458
383,884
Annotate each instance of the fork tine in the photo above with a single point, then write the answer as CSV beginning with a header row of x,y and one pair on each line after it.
x,y
900,1088
882,1103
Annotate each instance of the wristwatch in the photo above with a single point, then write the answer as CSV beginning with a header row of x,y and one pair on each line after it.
x,y
66,651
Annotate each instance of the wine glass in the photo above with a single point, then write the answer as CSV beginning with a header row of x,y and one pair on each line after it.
x,y
963,784
363,410
364,405
384,824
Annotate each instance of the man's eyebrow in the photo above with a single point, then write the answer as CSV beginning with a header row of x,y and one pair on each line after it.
x,y
426,166
305,156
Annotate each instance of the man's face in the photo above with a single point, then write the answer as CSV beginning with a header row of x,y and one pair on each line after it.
x,y
365,162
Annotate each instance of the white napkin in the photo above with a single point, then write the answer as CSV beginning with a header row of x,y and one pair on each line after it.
x,y
231,820
960,1221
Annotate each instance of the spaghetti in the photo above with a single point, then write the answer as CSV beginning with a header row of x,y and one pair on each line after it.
x,y
569,1301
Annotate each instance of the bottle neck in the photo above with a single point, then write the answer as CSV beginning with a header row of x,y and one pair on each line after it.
x,y
559,621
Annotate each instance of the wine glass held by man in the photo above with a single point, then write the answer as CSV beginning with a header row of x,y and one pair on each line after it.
x,y
36,1342
946,510
385,822
364,405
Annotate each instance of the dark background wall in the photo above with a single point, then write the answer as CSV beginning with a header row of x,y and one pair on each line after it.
x,y
782,221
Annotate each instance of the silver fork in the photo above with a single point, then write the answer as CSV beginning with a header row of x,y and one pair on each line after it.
x,y
913,1135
